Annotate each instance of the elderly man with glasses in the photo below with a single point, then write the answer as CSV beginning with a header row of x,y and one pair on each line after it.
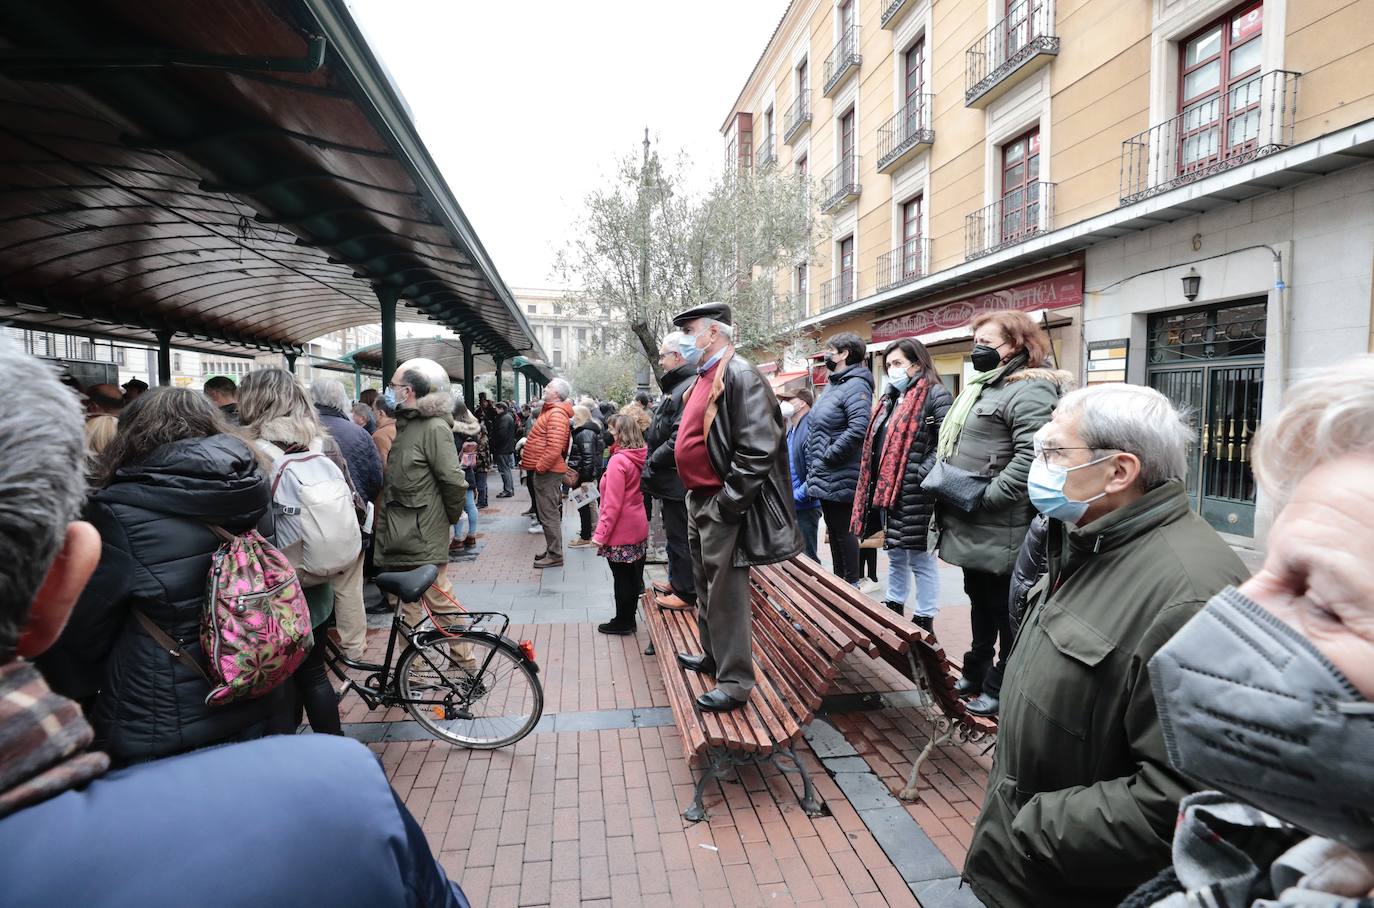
x,y
1082,799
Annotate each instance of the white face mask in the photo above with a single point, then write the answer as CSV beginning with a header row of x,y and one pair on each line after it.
x,y
787,409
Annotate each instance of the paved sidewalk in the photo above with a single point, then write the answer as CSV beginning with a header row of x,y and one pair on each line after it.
x,y
587,809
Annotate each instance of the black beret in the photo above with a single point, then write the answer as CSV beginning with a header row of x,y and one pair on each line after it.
x,y
718,311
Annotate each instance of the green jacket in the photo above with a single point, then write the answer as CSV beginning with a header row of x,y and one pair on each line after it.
x,y
1081,800
998,441
423,490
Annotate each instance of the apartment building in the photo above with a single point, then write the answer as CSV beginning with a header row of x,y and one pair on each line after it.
x,y
1182,191
567,332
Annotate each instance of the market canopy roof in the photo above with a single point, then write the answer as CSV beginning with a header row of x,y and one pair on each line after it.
x,y
446,351
239,172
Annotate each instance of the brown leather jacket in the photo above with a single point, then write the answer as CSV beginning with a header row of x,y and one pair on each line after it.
x,y
747,444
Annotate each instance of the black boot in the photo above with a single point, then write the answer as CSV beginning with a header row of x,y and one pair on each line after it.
x,y
895,606
617,627
925,623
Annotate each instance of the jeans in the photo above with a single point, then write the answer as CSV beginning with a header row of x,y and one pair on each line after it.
x,y
990,616
809,522
505,465
628,577
902,565
469,511
480,485
844,545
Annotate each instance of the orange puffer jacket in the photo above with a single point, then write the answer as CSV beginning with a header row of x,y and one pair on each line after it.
x,y
547,442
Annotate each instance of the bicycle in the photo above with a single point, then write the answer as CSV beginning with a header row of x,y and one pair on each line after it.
x,y
494,683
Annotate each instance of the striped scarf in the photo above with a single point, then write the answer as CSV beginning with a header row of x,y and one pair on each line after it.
x,y
902,428
43,737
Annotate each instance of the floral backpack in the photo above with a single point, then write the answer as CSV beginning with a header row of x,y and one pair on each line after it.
x,y
255,629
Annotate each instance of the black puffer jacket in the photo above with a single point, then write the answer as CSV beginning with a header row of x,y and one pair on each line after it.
x,y
155,558
660,470
908,520
1031,563
587,449
839,423
359,451
502,432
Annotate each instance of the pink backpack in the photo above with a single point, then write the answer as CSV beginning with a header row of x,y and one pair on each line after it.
x,y
255,629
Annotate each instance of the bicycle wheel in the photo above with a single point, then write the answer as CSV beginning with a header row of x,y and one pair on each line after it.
x,y
488,699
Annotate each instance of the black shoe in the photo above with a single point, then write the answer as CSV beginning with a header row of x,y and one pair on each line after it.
x,y
615,627
697,663
984,705
966,688
718,701
379,609
529,513
925,623
894,606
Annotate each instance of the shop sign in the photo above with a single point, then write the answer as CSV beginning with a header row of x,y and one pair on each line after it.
x,y
1058,291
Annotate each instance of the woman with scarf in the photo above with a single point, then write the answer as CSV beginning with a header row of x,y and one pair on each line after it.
x,y
898,452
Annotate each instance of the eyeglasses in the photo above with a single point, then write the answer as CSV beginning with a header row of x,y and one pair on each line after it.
x,y
1053,456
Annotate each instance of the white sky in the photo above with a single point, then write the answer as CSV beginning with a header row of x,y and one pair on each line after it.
x,y
526,105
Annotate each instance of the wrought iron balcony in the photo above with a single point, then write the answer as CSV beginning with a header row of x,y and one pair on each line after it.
x,y
841,185
907,133
1015,218
908,262
836,292
796,117
767,154
1010,51
894,9
843,60
1252,119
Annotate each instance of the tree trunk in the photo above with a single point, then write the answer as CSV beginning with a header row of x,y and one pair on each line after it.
x,y
649,343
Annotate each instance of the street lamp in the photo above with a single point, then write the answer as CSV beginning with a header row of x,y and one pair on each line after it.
x,y
1192,282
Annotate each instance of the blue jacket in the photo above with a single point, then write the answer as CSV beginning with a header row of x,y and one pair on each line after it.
x,y
839,423
796,447
290,820
359,450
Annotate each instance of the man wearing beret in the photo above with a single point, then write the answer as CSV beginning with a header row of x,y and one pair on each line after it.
x,y
732,459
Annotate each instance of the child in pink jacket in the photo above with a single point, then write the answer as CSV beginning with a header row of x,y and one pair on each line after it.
x,y
622,532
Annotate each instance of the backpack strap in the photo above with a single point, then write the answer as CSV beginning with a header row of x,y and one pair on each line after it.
x,y
171,646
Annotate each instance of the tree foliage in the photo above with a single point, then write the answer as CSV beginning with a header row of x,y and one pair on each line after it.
x,y
646,248
605,376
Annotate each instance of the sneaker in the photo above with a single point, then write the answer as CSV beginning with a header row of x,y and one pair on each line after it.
x,y
546,562
579,542
867,585
534,528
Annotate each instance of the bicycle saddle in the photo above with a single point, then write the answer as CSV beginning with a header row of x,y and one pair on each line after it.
x,y
410,585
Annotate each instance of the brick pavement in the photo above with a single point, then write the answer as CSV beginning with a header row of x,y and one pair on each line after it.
x,y
592,817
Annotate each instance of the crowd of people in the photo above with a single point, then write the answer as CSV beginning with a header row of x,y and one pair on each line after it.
x,y
1147,688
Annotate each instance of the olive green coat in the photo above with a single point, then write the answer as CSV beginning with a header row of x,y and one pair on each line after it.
x,y
1081,800
998,441
423,490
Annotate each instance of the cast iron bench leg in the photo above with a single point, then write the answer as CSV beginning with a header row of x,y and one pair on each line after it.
x,y
808,800
717,761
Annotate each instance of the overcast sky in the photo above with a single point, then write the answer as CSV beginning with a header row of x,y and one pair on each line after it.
x,y
526,105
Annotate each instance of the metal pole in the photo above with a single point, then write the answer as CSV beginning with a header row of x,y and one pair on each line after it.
x,y
387,297
469,397
164,357
357,381
499,395
290,362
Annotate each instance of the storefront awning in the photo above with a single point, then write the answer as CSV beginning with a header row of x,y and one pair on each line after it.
x,y
1045,317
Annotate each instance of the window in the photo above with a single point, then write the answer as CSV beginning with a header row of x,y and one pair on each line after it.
x,y
532,309
119,355
87,350
913,66
802,280
846,270
846,18
1024,21
176,362
558,359
558,332
847,146
911,238
801,165
1020,186
581,336
768,127
1219,89
803,81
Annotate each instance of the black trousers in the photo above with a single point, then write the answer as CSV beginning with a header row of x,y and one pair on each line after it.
x,y
311,694
628,578
584,522
844,545
988,613
679,551
868,564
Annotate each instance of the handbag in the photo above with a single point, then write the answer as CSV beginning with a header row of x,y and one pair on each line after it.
x,y
875,532
955,486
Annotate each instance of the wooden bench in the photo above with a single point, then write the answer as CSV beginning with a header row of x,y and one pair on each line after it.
x,y
797,653
892,638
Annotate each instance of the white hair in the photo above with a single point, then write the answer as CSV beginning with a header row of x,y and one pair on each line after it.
x,y
561,388
329,392
1134,419
671,343
1326,416
726,331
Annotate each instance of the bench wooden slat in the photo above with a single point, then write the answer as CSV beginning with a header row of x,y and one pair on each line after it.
x,y
693,737
804,691
800,590
854,605
684,639
786,641
835,639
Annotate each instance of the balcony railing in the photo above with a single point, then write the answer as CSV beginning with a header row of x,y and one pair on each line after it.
x,y
908,262
1016,217
796,117
767,154
836,292
1252,119
894,9
842,60
1026,35
841,185
906,133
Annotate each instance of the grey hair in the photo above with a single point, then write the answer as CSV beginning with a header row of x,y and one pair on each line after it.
x,y
726,331
41,487
671,343
561,388
329,392
1326,416
1134,419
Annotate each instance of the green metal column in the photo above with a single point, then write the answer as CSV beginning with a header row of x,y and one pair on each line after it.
x,y
499,395
164,357
290,362
469,397
357,381
387,297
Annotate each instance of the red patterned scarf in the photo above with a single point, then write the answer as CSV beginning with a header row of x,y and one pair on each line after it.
x,y
43,741
902,428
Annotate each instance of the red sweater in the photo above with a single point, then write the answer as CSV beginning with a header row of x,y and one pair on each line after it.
x,y
693,462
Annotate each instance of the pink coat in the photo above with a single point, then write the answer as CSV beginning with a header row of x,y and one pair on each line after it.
x,y
623,521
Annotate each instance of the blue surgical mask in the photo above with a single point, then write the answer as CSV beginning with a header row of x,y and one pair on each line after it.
x,y
389,397
1046,486
689,350
897,378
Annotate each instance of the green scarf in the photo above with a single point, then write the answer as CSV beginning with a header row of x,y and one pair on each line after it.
x,y
958,413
